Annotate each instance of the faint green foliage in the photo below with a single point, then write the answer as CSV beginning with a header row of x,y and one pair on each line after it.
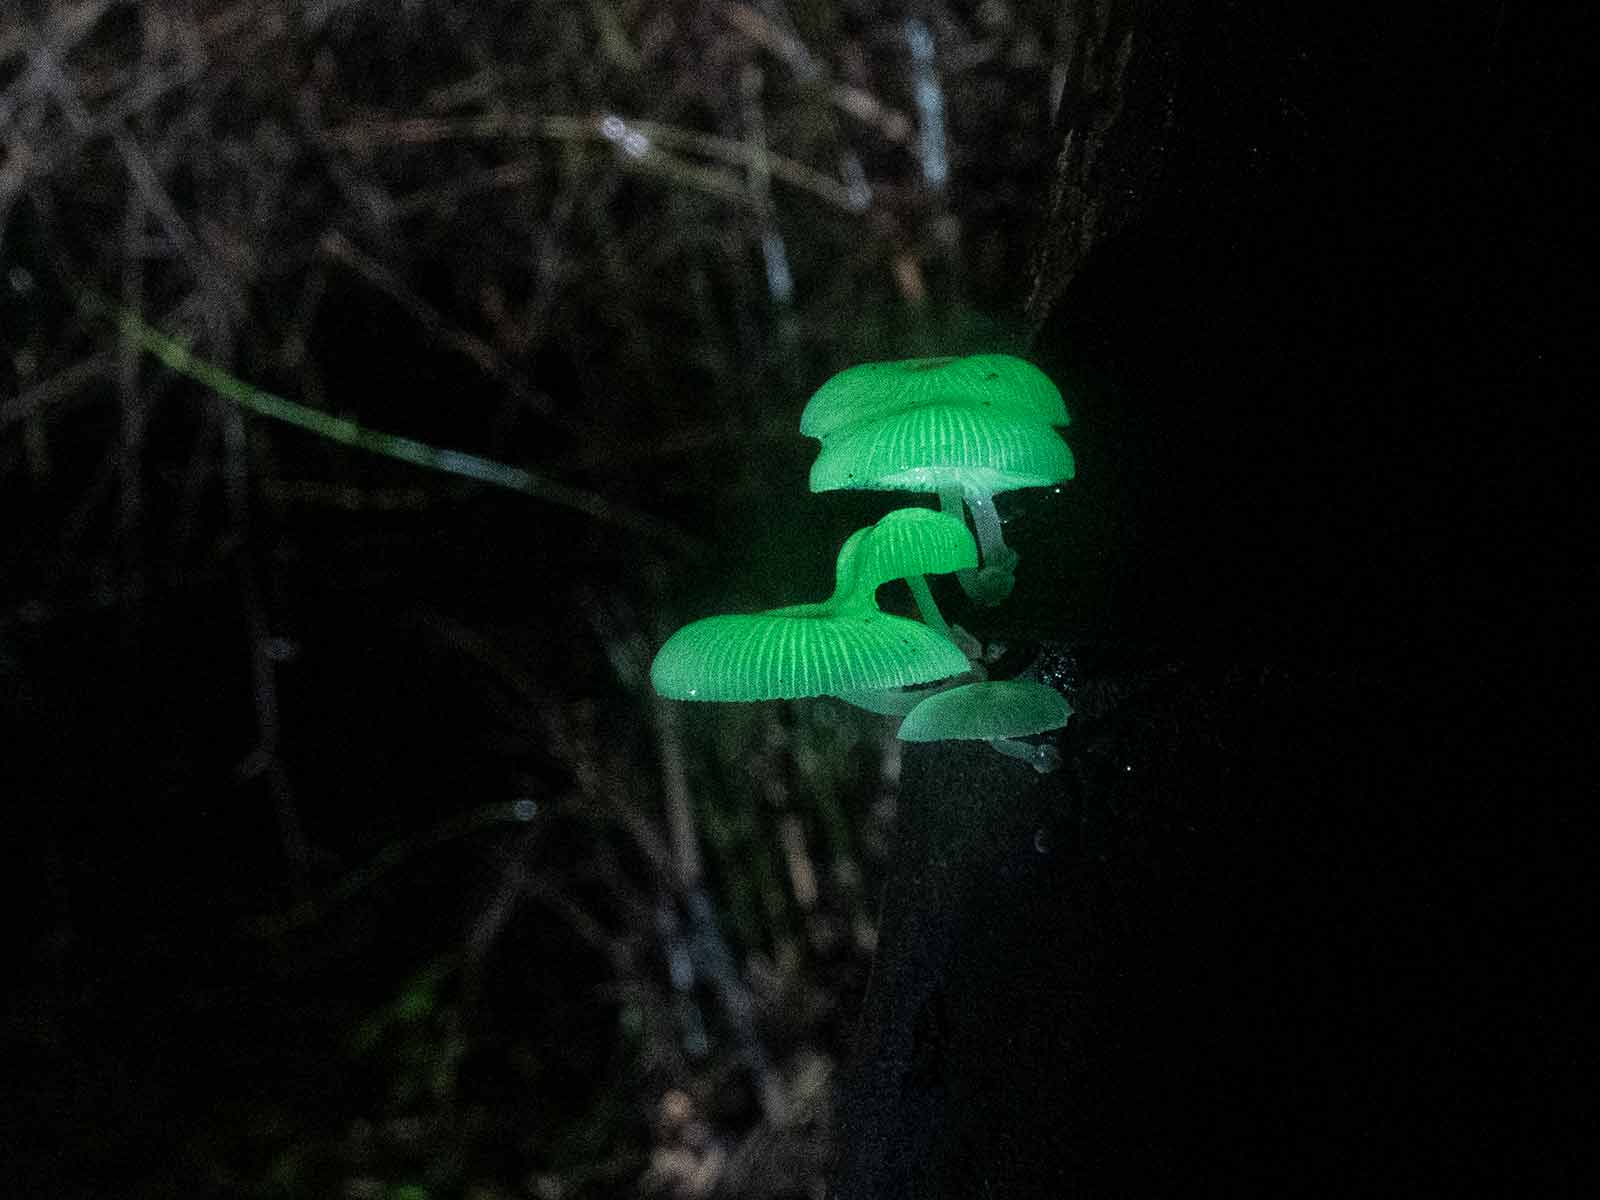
x,y
418,1037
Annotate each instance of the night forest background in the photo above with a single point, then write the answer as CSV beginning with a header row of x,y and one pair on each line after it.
x,y
382,382
358,858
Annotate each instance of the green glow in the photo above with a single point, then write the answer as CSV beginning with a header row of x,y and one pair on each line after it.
x,y
985,711
963,428
177,355
996,713
872,391
893,702
909,542
843,646
938,446
803,650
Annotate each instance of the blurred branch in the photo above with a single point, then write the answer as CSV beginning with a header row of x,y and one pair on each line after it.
x,y
783,43
577,199
477,351
448,192
780,278
394,855
788,47
222,288
348,433
65,382
613,37
682,834
71,25
643,144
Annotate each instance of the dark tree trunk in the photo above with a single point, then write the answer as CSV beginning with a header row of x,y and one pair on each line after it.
x,y
1306,908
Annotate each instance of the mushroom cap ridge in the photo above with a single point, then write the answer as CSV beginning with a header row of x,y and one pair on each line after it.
x,y
801,650
1004,708
871,391
935,446
906,542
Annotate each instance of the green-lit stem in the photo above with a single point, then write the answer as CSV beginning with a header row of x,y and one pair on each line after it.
x,y
931,617
950,503
987,521
1043,758
991,583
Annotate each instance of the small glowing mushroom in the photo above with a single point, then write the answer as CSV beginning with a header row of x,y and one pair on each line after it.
x,y
801,650
869,391
845,646
910,544
959,452
965,428
997,712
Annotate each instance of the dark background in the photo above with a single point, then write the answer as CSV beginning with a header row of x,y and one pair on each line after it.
x,y
1309,907
357,858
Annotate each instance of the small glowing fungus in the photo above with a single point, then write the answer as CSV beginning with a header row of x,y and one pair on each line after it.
x,y
845,646
996,712
910,544
964,428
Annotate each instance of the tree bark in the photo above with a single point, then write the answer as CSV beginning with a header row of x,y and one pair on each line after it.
x,y
1304,906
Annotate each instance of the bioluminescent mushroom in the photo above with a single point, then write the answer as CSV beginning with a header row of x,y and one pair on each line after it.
x,y
843,647
998,713
801,650
910,544
869,391
960,452
965,428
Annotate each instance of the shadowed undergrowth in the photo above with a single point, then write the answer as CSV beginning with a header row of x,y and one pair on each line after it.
x,y
363,861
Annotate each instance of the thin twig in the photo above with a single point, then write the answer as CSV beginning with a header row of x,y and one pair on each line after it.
x,y
471,347
682,833
394,855
647,149
787,46
346,432
133,407
64,383
222,288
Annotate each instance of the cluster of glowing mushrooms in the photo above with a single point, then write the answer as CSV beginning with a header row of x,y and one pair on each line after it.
x,y
963,429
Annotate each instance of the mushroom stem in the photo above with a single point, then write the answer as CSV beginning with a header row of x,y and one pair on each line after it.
x,y
991,583
934,619
931,617
1043,758
987,522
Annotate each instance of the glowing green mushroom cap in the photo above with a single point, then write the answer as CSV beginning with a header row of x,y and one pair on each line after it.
x,y
871,391
802,650
907,542
940,446
1002,709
